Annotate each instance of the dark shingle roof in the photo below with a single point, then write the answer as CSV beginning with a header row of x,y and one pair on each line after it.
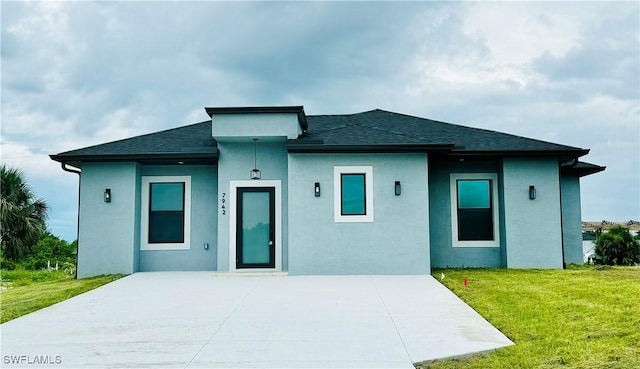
x,y
183,143
371,131
379,127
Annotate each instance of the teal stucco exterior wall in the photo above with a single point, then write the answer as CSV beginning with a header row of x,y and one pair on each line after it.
x,y
571,219
531,234
409,233
204,222
108,231
109,237
396,242
235,163
225,127
443,254
533,227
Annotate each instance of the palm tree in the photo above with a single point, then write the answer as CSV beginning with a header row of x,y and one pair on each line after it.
x,y
22,215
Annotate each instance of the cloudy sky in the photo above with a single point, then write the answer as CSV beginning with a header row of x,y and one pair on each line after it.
x,y
81,73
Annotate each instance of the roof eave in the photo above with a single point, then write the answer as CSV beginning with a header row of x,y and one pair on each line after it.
x,y
318,147
297,109
150,158
582,169
561,153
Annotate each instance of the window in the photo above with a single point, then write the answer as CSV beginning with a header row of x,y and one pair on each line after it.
x,y
474,215
165,213
354,198
353,194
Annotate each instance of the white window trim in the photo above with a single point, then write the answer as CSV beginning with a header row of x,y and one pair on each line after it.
x,y
144,223
233,192
337,194
454,177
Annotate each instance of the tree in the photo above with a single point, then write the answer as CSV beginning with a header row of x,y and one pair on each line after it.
x,y
22,216
617,247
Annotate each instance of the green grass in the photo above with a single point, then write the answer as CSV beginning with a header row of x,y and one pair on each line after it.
x,y
28,290
583,317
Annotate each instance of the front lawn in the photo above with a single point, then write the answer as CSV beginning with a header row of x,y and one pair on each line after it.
x,y
25,291
583,317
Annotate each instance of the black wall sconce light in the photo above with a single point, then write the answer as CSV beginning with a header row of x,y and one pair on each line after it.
x,y
107,195
398,188
316,189
532,192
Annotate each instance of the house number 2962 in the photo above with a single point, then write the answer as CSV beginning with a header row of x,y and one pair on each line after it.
x,y
223,207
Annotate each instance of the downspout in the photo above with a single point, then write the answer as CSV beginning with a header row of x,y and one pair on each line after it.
x,y
564,262
64,167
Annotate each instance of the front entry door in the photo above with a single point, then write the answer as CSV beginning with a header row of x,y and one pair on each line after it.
x,y
255,228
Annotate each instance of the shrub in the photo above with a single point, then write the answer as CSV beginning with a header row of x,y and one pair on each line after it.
x,y
617,247
7,264
49,250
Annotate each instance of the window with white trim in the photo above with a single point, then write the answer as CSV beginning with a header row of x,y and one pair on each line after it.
x,y
474,210
165,213
353,193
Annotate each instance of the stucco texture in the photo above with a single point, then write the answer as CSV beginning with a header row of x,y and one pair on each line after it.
x,y
236,162
443,254
533,227
396,242
108,230
203,227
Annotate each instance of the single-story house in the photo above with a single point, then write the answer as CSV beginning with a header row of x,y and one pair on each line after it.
x,y
271,189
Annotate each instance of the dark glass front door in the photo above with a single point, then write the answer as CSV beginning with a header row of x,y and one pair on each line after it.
x,y
255,236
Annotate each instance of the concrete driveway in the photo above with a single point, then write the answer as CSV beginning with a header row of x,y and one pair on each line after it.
x,y
199,320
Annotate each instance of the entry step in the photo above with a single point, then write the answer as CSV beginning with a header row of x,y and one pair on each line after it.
x,y
251,274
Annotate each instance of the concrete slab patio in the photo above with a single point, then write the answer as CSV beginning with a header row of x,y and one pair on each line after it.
x,y
200,320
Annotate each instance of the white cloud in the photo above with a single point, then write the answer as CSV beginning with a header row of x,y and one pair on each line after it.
x,y
36,162
517,33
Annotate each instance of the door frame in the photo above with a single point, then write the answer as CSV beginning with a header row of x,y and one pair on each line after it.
x,y
233,193
271,192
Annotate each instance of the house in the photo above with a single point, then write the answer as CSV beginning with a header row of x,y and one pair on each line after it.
x,y
272,189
